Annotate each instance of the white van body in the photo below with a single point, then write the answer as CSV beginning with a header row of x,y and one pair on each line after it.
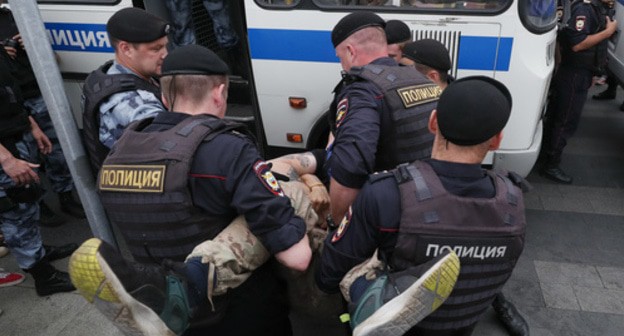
x,y
287,53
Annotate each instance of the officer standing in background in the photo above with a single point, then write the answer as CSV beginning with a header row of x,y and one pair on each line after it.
x,y
20,191
378,123
397,35
126,89
431,58
202,174
418,210
583,43
56,168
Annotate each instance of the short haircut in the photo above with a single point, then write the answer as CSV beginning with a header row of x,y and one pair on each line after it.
x,y
425,68
191,87
369,39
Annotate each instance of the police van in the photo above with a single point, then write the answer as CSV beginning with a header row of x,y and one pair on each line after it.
x,y
285,68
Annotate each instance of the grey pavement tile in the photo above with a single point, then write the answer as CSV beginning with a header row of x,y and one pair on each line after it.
x,y
562,322
568,274
612,277
611,206
533,201
559,203
545,189
600,300
560,296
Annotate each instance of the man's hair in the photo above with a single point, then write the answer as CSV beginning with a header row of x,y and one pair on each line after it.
x,y
369,39
425,68
190,87
115,43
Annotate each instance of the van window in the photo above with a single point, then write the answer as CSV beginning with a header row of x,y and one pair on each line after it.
x,y
278,3
446,5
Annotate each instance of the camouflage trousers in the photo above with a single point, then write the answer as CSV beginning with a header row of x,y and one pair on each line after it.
x,y
236,252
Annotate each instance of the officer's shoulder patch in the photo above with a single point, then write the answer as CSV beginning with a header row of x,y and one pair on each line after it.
x,y
580,22
341,111
419,94
263,172
132,178
379,176
342,228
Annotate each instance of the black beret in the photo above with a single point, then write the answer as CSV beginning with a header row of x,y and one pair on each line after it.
x,y
428,52
136,26
473,109
397,31
193,60
354,22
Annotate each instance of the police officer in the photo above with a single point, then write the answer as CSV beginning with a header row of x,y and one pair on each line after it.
x,y
56,168
431,58
19,190
174,181
126,89
380,109
397,35
583,44
418,210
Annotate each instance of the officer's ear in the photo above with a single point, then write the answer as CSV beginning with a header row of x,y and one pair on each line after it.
x,y
219,95
495,141
433,122
165,101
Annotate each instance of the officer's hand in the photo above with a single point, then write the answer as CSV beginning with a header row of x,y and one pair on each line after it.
x,y
20,171
43,143
19,39
12,52
611,26
319,198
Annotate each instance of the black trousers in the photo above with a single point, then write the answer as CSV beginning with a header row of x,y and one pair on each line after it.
x,y
570,88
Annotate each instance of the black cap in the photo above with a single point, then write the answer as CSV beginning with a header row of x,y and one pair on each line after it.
x,y
193,60
135,25
397,31
354,22
473,109
428,52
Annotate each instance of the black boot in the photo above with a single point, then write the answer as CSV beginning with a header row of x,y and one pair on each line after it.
x,y
511,318
49,280
49,218
607,94
59,252
70,206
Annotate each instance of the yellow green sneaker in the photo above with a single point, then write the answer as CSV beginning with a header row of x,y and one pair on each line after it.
x,y
139,299
396,302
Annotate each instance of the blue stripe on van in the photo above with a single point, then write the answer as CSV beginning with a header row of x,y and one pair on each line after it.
x,y
476,52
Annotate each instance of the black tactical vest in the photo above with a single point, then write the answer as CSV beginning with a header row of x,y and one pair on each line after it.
x,y
143,187
13,119
98,87
409,98
487,234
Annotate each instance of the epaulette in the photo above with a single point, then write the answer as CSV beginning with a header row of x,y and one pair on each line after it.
x,y
352,76
378,176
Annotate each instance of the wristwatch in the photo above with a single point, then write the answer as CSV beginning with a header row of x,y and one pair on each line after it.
x,y
330,222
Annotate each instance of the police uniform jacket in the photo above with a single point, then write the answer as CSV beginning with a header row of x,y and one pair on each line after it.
x,y
122,108
225,180
357,129
586,18
378,123
21,68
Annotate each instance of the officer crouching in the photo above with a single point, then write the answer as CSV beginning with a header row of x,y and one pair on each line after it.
x,y
421,210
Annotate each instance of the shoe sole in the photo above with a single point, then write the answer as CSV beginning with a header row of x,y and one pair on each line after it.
x,y
97,283
421,299
13,283
549,177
